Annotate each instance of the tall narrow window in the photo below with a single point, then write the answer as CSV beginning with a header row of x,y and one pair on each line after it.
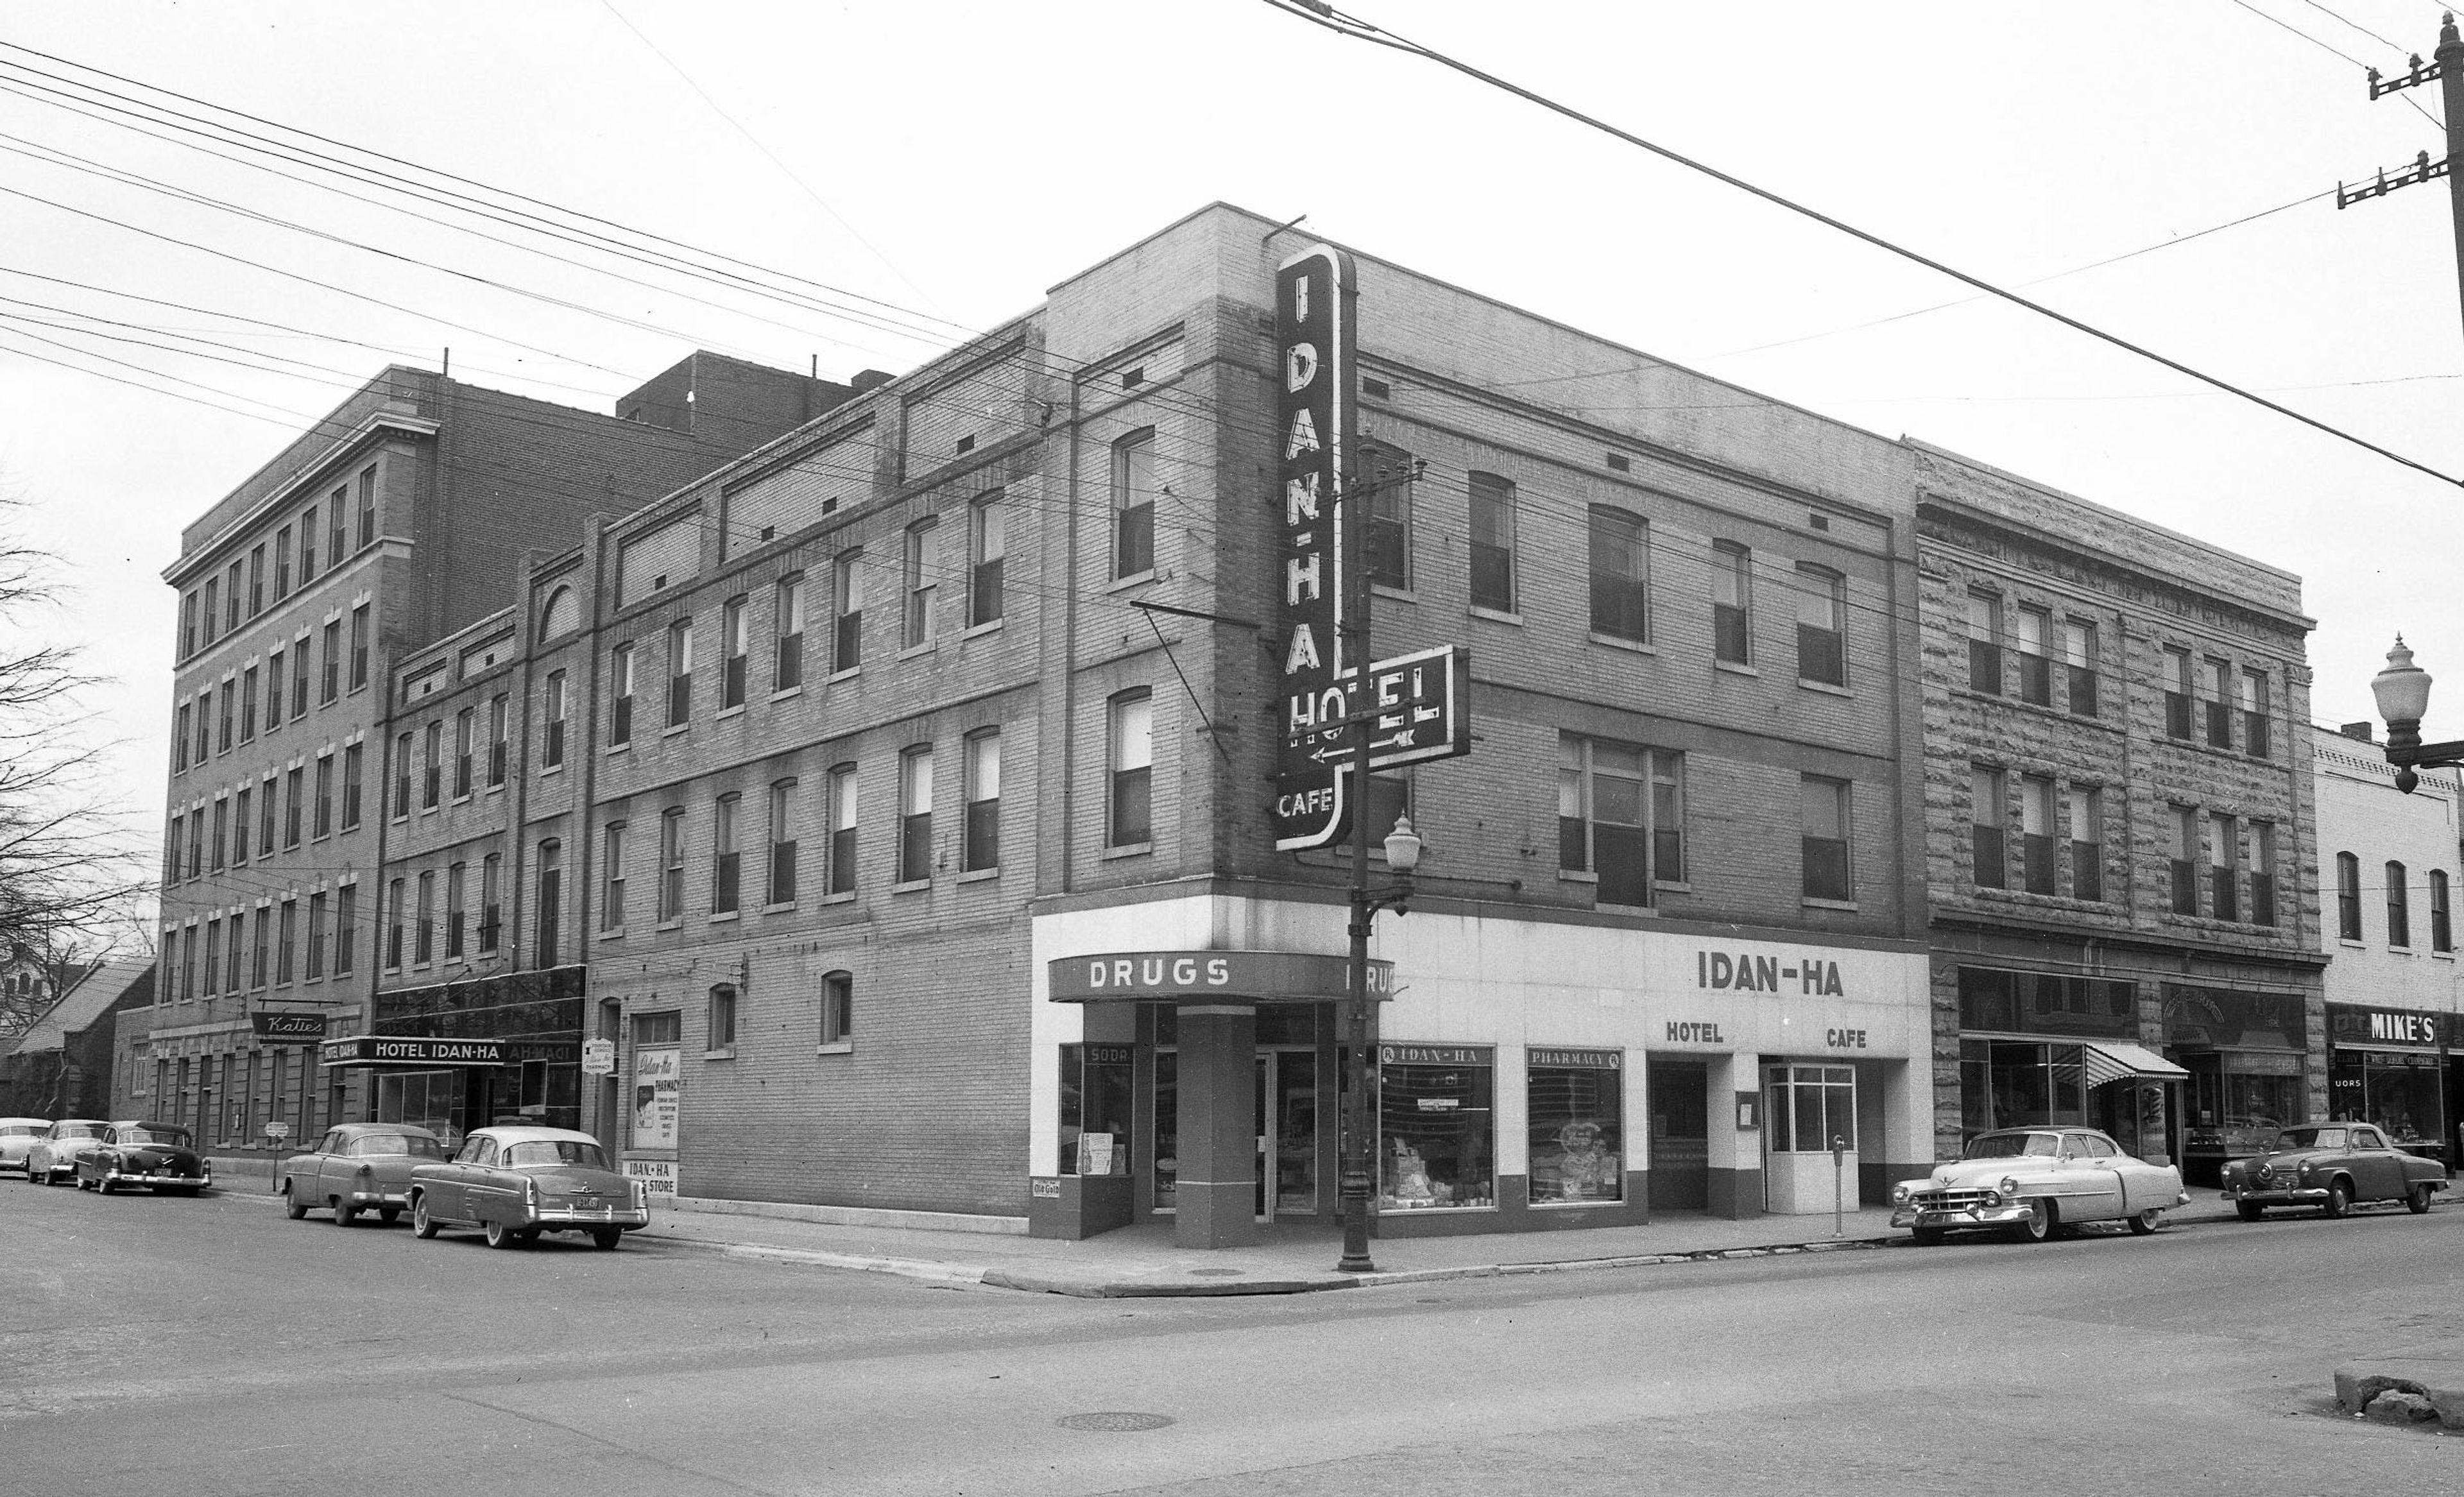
x,y
295,786
552,720
232,610
983,801
732,648
988,550
490,915
2037,833
1134,501
2078,665
671,864
2219,706
223,729
235,975
2399,907
2177,694
188,625
466,728
1620,817
222,818
172,870
2348,897
359,647
401,775
299,684
289,941
394,924
846,623
500,725
2224,867
781,888
213,983
2254,713
1732,598
1985,645
257,581
2262,873
331,686
316,904
282,564
1825,818
346,929
268,809
2442,930
214,606
368,505
620,691
338,540
919,578
1620,568
727,858
455,912
1987,818
261,968
423,947
351,772
838,1009
611,883
180,741
308,545
1492,542
1131,760
843,829
248,705
2035,668
274,683
2087,843
1387,475
2186,860
323,824
916,814
1821,626
205,725
680,668
432,767
787,611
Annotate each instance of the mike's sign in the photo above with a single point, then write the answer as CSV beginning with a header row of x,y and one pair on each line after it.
x,y
1314,295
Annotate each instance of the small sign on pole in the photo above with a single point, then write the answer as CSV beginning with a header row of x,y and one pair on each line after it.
x,y
276,1128
599,1057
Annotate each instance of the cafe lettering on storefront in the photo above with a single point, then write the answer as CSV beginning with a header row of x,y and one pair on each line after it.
x,y
2395,1067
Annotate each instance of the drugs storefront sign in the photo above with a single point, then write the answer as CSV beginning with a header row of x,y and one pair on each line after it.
x,y
1284,976
409,1052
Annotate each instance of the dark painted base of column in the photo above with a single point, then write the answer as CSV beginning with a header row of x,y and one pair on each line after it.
x,y
1515,1213
1736,1194
1214,1214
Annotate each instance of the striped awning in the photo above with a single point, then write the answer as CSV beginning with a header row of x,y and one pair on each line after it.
x,y
2109,1061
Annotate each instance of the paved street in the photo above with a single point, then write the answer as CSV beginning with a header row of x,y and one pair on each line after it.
x,y
170,1346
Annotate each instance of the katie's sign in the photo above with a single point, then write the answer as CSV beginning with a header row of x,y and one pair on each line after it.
x,y
274,1027
1314,295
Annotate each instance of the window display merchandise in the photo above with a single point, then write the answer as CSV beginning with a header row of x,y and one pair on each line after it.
x,y
1435,1117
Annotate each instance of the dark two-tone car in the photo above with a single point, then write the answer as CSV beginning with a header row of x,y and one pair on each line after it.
x,y
135,1156
2331,1168
514,1183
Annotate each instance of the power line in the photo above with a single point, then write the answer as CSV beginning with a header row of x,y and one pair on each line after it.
x,y
1322,13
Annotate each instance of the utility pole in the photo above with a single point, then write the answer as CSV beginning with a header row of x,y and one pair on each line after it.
x,y
2447,68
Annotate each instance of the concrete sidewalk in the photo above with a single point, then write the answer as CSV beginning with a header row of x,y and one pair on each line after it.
x,y
1142,1260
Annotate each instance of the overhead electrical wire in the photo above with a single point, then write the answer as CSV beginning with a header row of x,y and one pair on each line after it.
x,y
1323,13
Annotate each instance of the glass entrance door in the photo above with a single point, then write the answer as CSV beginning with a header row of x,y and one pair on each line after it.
x,y
1287,1133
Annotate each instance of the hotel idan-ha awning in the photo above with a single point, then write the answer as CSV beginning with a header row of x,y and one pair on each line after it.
x,y
409,1052
2110,1061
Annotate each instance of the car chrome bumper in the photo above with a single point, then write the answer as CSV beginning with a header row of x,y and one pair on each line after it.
x,y
2279,1194
378,1200
117,1178
564,1215
1957,1218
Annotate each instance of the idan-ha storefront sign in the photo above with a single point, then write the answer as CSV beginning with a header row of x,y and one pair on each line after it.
x,y
1284,977
409,1052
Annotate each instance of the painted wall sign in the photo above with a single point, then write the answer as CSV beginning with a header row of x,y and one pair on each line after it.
x,y
658,1178
1316,292
385,1050
1679,1033
281,1029
1284,976
1582,1060
1808,974
1844,1039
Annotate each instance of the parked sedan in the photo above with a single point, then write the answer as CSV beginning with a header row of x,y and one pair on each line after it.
x,y
18,1135
55,1152
155,1157
357,1167
2333,1167
514,1183
2032,1181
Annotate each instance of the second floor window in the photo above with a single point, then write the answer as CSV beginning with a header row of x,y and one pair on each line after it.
x,y
1387,475
1985,820
2399,907
1131,758
1821,626
2219,706
983,801
2224,867
988,546
1620,567
466,727
2186,860
431,777
671,864
781,888
552,712
2442,931
1620,817
331,685
2262,873
843,829
727,859
359,647
611,885
1733,598
915,815
1134,504
1493,543
1827,873
2087,843
351,772
500,725
2037,861
680,668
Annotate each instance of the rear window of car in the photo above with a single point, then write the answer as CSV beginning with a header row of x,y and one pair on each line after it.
x,y
76,1130
17,1131
410,1144
2311,1138
170,1135
557,1151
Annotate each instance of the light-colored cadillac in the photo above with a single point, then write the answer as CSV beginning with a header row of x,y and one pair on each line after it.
x,y
52,1157
17,1135
2032,1181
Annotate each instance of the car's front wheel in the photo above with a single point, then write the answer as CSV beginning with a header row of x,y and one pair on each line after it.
x,y
2340,1200
2417,1200
103,1186
2249,1210
2144,1222
420,1224
291,1205
2038,1225
500,1236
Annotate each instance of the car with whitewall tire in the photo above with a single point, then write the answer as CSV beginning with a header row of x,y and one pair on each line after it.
x,y
514,1183
2032,1182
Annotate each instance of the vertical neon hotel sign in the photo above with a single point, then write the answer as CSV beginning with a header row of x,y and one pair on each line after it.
x,y
1314,295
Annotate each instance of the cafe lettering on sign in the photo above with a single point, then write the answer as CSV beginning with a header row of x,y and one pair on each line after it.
x,y
1314,398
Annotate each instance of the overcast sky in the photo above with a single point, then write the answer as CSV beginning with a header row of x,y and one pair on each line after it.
x,y
950,161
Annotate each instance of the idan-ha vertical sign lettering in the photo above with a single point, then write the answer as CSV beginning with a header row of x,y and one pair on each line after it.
x,y
1314,299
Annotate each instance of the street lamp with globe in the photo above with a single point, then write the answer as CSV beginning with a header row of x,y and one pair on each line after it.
x,y
2403,693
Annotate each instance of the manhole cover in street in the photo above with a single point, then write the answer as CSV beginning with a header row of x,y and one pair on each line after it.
x,y
1116,1423
1215,1273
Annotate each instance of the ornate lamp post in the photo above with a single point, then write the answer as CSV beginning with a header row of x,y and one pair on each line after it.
x,y
2403,693
1403,857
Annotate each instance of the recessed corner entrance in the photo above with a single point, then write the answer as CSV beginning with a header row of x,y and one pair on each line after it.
x,y
1287,1114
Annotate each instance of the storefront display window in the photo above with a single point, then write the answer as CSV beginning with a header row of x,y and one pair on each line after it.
x,y
2400,1092
2238,1100
1435,1118
2019,1084
1810,1106
1576,1110
1096,1105
427,1099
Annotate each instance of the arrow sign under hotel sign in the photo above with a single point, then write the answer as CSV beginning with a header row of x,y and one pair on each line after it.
x,y
1418,708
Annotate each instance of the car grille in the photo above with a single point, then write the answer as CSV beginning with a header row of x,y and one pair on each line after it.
x,y
1948,1200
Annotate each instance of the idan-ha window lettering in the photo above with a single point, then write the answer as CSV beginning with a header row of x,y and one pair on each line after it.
x,y
1095,1110
1437,1127
1577,1111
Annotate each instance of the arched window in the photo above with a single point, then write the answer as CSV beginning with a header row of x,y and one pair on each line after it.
x,y
838,1009
2348,897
